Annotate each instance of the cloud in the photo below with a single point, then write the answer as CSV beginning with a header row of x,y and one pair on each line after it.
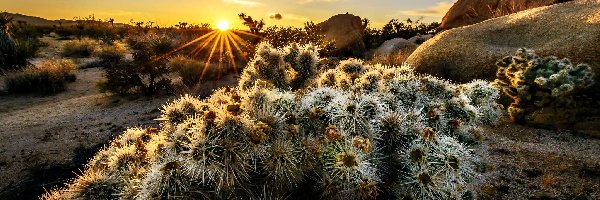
x,y
275,16
438,10
287,17
243,2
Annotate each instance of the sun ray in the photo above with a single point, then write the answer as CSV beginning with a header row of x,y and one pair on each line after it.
x,y
212,51
239,39
221,52
230,52
199,48
185,45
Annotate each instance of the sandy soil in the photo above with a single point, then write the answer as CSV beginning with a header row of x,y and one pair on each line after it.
x,y
520,162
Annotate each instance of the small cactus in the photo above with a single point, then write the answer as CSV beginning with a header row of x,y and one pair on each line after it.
x,y
533,82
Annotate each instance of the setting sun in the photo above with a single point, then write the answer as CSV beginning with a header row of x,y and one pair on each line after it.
x,y
223,25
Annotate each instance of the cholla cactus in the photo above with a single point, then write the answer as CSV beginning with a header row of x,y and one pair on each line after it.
x,y
533,82
281,68
356,131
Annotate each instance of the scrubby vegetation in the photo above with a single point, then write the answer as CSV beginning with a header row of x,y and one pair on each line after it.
x,y
397,29
533,82
355,132
146,73
81,48
280,37
16,44
49,77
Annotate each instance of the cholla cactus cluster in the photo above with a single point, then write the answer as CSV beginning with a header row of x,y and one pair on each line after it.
x,y
353,132
533,82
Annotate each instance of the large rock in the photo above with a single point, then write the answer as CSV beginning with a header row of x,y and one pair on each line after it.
x,y
467,12
569,30
346,31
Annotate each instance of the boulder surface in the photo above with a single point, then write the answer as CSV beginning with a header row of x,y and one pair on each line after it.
x,y
467,12
346,31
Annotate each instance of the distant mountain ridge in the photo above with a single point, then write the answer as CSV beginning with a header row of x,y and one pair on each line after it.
x,y
39,21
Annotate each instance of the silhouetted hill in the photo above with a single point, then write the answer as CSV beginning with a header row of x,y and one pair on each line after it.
x,y
39,21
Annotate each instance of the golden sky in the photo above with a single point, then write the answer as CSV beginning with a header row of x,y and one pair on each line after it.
x,y
169,12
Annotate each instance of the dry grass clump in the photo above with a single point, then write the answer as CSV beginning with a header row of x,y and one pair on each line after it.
x,y
49,77
81,48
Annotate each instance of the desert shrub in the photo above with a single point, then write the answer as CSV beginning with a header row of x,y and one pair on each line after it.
x,y
27,48
398,29
353,132
81,48
533,82
280,37
146,73
49,77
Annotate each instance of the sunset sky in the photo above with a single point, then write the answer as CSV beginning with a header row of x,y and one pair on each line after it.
x,y
169,12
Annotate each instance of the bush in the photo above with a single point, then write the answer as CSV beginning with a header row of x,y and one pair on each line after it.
x,y
280,37
146,73
19,46
353,132
27,48
398,29
81,48
533,82
49,77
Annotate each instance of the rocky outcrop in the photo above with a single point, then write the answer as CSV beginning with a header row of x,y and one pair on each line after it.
x,y
467,12
569,30
346,31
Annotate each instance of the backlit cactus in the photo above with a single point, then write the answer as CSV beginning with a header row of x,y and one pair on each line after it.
x,y
357,131
533,82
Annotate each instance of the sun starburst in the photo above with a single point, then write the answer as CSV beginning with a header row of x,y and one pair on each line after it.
x,y
223,26
222,45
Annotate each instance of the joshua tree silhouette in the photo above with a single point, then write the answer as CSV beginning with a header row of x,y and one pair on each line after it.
x,y
111,21
254,25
